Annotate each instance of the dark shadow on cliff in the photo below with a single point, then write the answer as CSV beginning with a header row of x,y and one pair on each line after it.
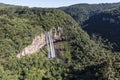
x,y
93,72
105,25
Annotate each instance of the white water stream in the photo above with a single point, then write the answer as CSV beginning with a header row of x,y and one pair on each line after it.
x,y
50,45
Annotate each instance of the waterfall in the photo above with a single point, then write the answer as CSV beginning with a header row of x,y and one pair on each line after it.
x,y
50,45
53,49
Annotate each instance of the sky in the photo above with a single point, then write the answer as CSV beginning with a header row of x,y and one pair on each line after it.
x,y
53,3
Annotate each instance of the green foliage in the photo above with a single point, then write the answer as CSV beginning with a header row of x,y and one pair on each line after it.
x,y
101,24
2,5
18,27
92,17
82,12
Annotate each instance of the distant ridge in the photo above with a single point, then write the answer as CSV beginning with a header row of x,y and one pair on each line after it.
x,y
2,5
87,16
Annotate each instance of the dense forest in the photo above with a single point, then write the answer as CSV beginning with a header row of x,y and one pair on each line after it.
x,y
83,57
107,25
82,12
99,19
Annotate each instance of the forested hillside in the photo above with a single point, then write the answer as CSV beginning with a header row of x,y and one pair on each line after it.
x,y
2,5
98,19
81,59
82,12
106,24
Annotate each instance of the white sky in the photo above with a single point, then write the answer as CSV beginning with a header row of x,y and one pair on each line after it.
x,y
53,3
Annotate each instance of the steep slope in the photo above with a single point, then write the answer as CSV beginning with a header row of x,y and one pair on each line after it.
x,y
91,16
76,53
82,12
24,24
106,24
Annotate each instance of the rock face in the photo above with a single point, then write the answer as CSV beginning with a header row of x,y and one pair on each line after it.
x,y
39,42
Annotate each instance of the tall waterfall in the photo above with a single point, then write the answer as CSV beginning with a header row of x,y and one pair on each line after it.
x,y
50,45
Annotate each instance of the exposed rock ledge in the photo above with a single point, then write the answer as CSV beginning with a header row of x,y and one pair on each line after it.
x,y
39,41
35,46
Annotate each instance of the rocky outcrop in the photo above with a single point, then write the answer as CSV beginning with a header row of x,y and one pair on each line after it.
x,y
39,42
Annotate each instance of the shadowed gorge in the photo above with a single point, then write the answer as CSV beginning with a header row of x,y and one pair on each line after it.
x,y
99,19
107,25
